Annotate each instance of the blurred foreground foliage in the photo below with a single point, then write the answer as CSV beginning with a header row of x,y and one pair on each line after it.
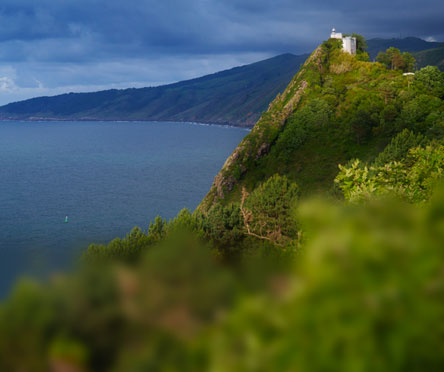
x,y
360,288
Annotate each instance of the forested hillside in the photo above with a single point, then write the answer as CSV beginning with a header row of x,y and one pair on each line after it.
x,y
336,108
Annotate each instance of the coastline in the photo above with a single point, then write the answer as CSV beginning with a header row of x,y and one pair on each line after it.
x,y
204,123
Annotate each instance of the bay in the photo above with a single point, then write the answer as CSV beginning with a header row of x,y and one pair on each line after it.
x,y
107,177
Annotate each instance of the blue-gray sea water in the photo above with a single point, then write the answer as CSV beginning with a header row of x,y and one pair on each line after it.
x,y
107,177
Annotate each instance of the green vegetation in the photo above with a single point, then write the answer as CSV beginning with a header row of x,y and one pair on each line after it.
x,y
394,60
413,178
399,147
267,211
342,108
264,276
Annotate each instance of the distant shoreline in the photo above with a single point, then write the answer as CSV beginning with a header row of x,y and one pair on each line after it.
x,y
49,120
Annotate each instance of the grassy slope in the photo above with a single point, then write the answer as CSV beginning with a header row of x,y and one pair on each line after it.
x,y
344,83
237,96
258,142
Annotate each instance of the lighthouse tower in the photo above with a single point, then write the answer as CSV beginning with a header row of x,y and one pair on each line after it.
x,y
335,35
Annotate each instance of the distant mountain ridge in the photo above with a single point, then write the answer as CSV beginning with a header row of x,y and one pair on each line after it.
x,y
408,44
237,97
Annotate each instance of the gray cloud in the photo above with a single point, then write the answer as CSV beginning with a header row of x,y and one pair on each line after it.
x,y
49,46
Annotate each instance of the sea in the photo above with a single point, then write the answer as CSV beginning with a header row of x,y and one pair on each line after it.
x,y
103,177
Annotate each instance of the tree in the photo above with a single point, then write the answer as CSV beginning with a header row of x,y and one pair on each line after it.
x,y
394,60
361,44
415,113
267,211
128,249
431,79
409,62
362,125
399,147
385,58
223,226
397,61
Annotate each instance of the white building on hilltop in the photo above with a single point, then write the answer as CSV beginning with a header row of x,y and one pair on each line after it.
x,y
348,42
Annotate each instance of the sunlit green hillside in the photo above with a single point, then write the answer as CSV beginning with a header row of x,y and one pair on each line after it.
x,y
338,107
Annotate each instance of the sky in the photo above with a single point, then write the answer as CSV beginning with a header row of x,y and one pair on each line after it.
x,y
49,47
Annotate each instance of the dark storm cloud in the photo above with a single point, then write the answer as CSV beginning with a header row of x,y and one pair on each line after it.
x,y
98,43
141,27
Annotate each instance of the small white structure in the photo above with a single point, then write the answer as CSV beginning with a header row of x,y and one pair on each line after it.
x,y
348,42
335,35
